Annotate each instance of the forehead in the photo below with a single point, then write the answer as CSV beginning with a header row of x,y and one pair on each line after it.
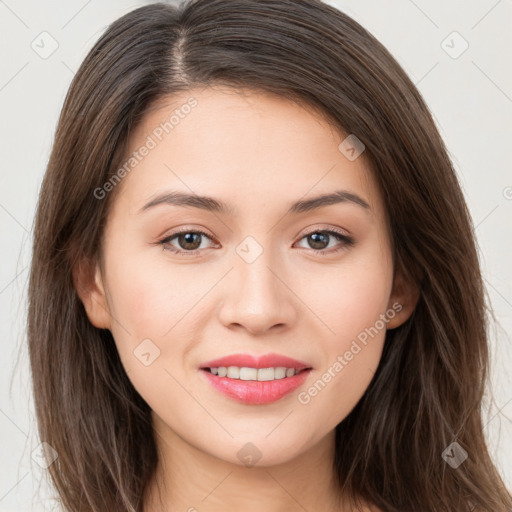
x,y
250,149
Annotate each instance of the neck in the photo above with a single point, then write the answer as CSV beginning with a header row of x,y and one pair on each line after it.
x,y
188,479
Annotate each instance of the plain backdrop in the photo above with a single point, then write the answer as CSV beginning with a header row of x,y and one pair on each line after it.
x,y
458,53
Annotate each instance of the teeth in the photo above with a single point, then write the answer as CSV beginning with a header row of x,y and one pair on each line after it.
x,y
266,374
280,372
233,372
261,374
248,373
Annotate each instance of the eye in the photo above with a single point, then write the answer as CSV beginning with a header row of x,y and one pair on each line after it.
x,y
189,241
319,238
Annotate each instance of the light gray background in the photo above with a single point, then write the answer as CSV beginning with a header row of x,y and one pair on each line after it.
x,y
470,97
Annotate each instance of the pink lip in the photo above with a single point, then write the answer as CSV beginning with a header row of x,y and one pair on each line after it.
x,y
256,392
265,361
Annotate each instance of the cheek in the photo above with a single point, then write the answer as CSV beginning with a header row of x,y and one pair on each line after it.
x,y
147,306
141,299
144,304
158,307
148,295
353,347
352,298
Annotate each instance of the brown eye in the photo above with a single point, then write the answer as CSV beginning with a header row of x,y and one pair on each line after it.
x,y
319,240
188,241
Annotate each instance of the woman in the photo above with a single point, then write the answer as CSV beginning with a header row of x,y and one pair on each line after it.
x,y
254,281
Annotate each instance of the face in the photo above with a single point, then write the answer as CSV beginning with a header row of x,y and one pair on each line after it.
x,y
185,282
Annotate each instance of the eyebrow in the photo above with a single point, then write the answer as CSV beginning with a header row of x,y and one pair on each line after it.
x,y
214,205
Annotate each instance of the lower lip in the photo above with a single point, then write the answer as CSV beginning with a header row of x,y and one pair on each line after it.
x,y
256,392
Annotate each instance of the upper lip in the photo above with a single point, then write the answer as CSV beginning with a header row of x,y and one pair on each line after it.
x,y
263,361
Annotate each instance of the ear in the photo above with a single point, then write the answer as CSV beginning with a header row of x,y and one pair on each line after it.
x,y
90,288
404,297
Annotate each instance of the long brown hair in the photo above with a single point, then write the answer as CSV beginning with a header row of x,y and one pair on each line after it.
x,y
428,390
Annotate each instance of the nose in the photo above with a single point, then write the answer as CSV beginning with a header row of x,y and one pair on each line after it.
x,y
258,297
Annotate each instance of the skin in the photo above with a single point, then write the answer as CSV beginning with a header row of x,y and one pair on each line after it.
x,y
258,153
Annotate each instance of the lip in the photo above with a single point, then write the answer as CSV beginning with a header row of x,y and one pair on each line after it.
x,y
265,361
254,392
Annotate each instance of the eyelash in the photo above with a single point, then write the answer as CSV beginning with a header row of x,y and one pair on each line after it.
x,y
341,237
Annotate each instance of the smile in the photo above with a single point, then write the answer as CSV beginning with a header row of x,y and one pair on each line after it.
x,y
259,374
255,380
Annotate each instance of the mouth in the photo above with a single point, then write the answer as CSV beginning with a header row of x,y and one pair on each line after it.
x,y
253,380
